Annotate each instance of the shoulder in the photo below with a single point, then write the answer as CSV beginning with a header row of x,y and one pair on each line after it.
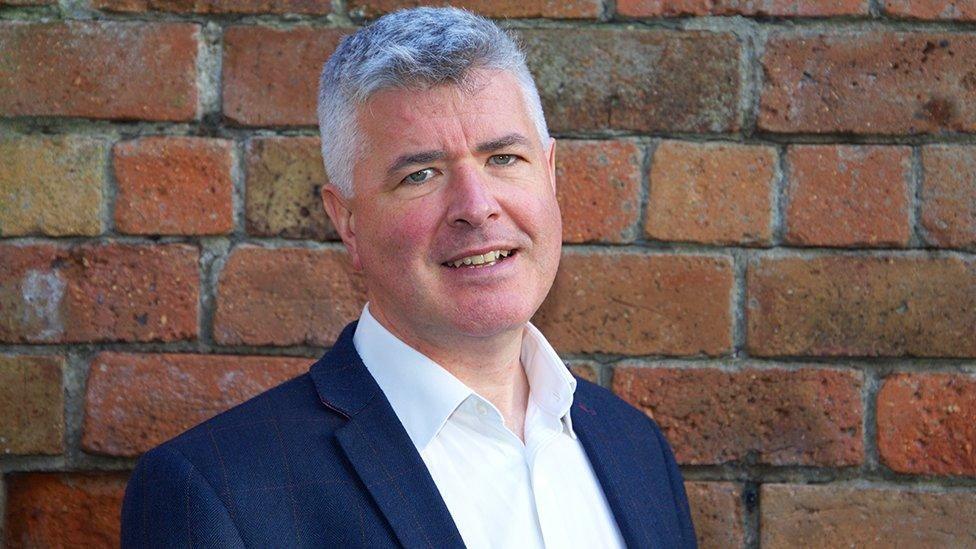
x,y
593,396
250,433
620,421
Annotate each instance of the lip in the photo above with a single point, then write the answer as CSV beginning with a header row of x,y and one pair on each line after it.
x,y
481,251
494,273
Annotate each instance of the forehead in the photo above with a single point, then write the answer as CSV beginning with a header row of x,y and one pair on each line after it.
x,y
487,105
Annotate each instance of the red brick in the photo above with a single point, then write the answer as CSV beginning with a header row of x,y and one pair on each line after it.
x,y
174,185
634,303
38,172
309,7
927,424
844,305
270,76
284,182
848,195
64,509
568,9
777,8
137,401
716,511
959,10
948,211
711,193
89,293
869,83
99,70
598,187
844,515
768,416
636,80
31,404
286,296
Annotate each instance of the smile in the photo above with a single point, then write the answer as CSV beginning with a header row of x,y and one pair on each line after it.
x,y
480,260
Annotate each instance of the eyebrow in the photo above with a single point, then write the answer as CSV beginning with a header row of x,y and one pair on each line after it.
x,y
424,157
502,142
414,158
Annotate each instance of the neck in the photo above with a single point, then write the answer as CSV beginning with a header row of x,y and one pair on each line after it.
x,y
490,366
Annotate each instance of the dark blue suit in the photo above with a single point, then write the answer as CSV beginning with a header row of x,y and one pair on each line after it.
x,y
323,461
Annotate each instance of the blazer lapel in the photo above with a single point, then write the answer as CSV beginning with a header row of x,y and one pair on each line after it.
x,y
619,470
380,450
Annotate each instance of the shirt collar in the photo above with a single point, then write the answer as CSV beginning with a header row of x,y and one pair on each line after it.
x,y
424,395
551,384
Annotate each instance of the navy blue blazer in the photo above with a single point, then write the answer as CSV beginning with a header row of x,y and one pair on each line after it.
x,y
323,461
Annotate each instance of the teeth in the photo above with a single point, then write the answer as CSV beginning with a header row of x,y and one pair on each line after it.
x,y
488,258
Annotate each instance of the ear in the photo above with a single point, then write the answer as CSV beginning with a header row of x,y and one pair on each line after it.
x,y
552,163
343,219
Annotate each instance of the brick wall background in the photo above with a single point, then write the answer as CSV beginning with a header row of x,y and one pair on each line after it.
x,y
770,227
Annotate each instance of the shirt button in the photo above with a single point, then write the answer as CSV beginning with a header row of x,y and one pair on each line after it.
x,y
482,409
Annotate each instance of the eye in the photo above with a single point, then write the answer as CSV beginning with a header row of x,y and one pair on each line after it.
x,y
419,176
502,159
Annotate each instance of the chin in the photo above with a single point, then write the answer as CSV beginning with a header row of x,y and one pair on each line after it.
x,y
491,321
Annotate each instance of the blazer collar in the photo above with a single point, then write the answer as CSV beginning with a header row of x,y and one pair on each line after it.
x,y
389,465
380,450
622,472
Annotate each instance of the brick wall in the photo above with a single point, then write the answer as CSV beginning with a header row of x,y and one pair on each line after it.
x,y
770,227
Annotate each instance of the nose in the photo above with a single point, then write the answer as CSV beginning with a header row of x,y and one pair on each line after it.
x,y
472,202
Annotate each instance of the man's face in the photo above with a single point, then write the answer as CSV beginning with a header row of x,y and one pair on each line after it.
x,y
449,178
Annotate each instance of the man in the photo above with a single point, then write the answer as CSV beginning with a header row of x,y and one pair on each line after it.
x,y
442,418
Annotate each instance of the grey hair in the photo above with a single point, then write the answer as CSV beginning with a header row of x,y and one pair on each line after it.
x,y
413,48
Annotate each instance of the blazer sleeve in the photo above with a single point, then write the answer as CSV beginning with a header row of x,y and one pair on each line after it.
x,y
687,529
168,503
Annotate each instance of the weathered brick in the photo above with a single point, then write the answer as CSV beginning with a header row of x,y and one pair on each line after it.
x,y
174,185
586,369
948,210
848,195
959,10
99,70
284,181
64,509
844,305
869,83
634,303
286,296
638,80
769,416
270,76
716,511
598,188
87,293
31,404
844,515
308,7
927,423
711,193
38,172
777,8
568,9
137,401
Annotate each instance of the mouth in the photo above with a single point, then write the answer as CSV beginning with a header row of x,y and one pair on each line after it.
x,y
477,261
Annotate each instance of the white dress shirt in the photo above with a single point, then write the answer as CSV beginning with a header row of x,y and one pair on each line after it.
x,y
500,492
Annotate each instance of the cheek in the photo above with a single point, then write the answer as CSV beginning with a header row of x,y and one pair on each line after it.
x,y
402,234
547,219
550,234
